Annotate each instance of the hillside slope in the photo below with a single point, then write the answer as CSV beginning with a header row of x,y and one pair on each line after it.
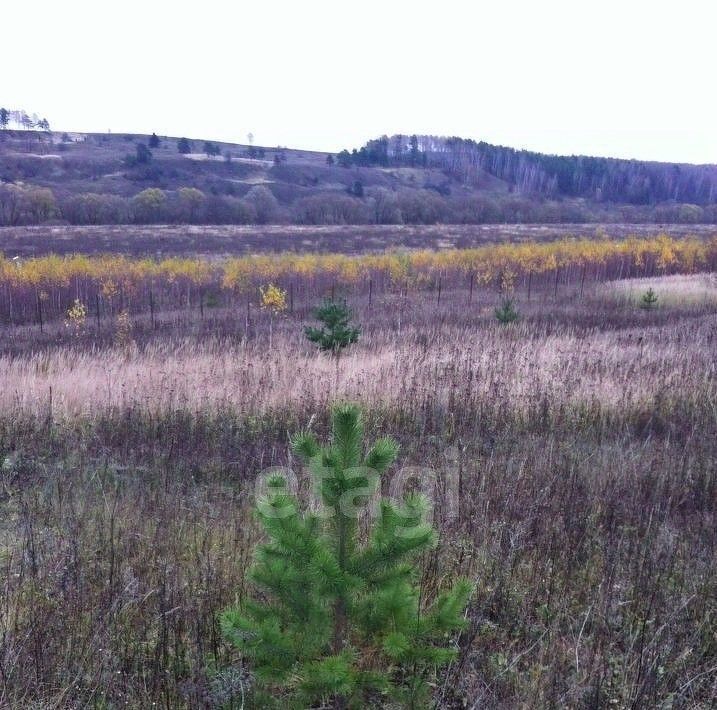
x,y
65,178
636,182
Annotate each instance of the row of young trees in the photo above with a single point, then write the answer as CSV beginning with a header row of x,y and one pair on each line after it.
x,y
43,287
184,147
31,205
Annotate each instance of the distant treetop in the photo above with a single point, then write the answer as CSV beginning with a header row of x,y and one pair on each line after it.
x,y
211,149
184,146
21,119
601,179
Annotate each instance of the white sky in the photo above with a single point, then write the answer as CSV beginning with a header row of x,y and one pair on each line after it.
x,y
631,78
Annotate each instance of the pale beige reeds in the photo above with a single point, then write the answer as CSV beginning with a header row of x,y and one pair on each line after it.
x,y
517,366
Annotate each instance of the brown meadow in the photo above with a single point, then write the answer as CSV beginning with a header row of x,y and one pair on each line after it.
x,y
585,438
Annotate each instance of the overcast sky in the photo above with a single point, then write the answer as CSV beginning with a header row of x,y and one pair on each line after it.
x,y
625,79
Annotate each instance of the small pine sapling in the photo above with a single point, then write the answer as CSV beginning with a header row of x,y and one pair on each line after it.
x,y
339,621
336,332
648,300
506,312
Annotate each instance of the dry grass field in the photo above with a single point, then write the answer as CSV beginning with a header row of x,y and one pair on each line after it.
x,y
585,439
679,290
409,349
223,240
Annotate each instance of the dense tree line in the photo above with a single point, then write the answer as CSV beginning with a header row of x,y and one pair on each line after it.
x,y
28,205
21,205
144,283
601,179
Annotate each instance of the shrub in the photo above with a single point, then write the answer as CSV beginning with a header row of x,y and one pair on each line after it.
x,y
356,189
421,206
384,204
184,146
190,203
228,210
264,202
142,154
149,205
211,149
93,208
39,204
330,208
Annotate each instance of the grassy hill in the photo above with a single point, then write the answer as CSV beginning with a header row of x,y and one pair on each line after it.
x,y
96,162
105,178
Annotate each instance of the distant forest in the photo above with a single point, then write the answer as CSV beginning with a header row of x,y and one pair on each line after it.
x,y
632,182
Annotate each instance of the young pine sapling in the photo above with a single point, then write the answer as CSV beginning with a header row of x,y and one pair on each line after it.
x,y
339,621
336,331
648,300
506,312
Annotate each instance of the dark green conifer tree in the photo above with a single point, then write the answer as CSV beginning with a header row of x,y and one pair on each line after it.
x,y
339,620
336,331
184,146
648,300
506,312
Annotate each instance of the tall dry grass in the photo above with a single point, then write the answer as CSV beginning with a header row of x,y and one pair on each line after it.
x,y
469,360
676,290
585,440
